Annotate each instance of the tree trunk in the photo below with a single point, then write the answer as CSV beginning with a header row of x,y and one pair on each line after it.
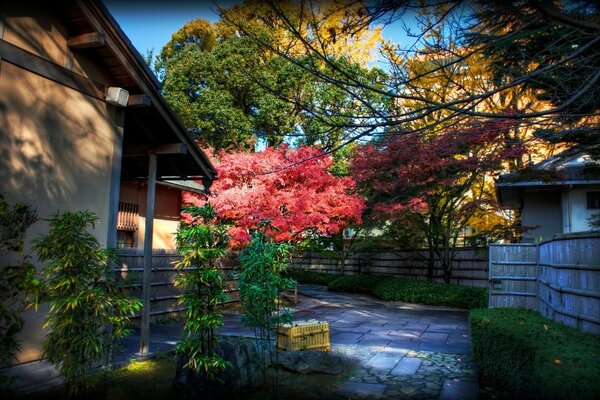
x,y
430,264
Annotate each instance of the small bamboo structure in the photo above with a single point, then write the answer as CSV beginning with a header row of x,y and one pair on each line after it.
x,y
303,335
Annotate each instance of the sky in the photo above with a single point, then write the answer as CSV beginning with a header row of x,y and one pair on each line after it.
x,y
149,24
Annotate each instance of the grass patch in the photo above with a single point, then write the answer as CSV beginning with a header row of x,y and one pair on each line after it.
x,y
150,379
154,380
533,356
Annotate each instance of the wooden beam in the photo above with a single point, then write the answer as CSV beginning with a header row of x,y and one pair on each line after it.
x,y
139,100
148,234
161,149
30,62
86,41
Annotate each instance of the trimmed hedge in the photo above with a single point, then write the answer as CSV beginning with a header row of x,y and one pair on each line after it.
x,y
311,277
431,293
356,283
530,355
390,288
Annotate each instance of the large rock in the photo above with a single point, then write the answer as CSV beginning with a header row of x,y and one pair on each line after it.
x,y
244,371
313,362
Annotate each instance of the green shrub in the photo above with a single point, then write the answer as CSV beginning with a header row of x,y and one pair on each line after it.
x,y
533,356
390,288
263,263
311,277
355,283
201,243
87,308
430,293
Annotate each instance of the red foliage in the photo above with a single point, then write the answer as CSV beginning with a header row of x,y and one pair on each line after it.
x,y
302,198
405,172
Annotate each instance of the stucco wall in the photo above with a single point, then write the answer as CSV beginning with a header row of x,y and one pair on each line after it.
x,y
166,213
579,211
542,210
56,144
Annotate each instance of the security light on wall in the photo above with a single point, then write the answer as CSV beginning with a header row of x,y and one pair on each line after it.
x,y
117,96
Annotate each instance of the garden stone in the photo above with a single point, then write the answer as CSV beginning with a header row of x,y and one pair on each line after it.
x,y
313,362
244,370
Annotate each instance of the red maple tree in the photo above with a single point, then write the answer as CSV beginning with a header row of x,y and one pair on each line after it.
x,y
439,179
298,200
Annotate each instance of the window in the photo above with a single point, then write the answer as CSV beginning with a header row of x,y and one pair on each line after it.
x,y
593,199
124,239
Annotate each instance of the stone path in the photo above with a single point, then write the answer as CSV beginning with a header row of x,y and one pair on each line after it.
x,y
405,351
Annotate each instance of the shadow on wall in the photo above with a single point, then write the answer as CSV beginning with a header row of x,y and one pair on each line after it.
x,y
55,141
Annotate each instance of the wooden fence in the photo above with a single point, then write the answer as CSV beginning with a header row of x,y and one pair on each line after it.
x,y
470,270
513,275
560,278
164,294
470,265
570,280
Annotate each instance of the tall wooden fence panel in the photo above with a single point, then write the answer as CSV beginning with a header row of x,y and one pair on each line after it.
x,y
513,275
470,266
570,280
164,295
560,278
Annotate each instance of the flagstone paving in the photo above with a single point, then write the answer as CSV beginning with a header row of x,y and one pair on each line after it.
x,y
404,351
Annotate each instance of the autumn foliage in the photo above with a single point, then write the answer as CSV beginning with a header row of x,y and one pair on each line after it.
x,y
298,200
406,172
439,181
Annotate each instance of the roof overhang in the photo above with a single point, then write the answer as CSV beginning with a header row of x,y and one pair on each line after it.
x,y
509,194
151,121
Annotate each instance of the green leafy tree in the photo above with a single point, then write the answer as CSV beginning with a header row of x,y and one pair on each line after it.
x,y
231,92
261,281
548,50
202,242
87,308
18,282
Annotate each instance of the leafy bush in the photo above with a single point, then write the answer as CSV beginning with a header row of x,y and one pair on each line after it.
x,y
261,281
430,293
87,309
201,243
311,277
18,281
356,283
533,356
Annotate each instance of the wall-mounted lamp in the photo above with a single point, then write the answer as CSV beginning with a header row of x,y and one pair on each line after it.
x,y
117,96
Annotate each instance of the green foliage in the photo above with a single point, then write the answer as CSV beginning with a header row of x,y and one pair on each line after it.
x,y
535,357
18,283
311,277
230,92
261,280
431,293
390,288
201,244
594,221
87,310
365,284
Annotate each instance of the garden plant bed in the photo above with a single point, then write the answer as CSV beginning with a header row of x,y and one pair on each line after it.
x,y
521,351
390,288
